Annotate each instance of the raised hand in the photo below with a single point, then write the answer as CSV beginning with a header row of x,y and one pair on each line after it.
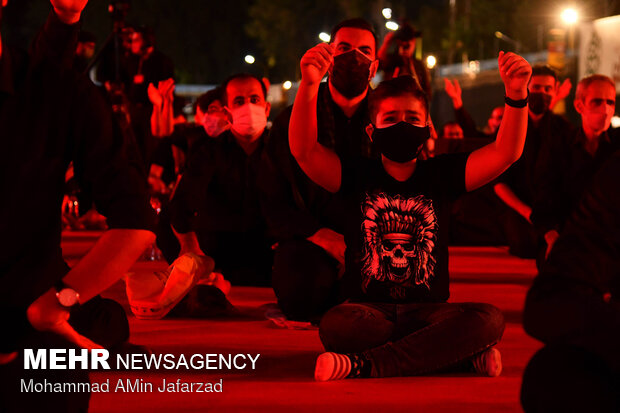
x,y
563,89
315,63
68,11
154,95
515,72
453,89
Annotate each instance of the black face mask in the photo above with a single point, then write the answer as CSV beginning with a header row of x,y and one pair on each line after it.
x,y
350,73
539,102
401,142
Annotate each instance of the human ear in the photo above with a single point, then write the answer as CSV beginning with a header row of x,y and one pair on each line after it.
x,y
374,66
369,130
578,103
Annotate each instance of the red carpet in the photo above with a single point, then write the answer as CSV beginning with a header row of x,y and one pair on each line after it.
x,y
283,380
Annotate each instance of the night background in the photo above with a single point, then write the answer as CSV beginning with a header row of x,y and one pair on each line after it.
x,y
207,40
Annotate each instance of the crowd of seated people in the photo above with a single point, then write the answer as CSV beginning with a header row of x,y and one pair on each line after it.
x,y
345,206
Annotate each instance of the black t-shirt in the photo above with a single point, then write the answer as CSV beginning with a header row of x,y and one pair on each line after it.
x,y
397,237
218,192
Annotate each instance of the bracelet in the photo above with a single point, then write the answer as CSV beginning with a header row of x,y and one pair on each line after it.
x,y
517,103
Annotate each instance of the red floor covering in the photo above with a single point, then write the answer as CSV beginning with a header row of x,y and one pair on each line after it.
x,y
283,380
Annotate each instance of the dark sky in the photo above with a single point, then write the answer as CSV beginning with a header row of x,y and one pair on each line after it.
x,y
208,40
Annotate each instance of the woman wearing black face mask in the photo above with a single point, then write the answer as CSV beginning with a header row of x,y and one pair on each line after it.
x,y
399,259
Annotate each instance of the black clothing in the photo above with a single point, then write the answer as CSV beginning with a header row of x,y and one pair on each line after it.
x,y
50,116
183,137
217,198
310,293
295,207
565,378
139,71
397,249
568,172
524,175
573,304
575,298
397,264
413,338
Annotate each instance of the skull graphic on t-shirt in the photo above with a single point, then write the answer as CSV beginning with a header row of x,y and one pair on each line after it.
x,y
398,239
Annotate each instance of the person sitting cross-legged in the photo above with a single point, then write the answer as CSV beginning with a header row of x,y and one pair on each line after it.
x,y
396,321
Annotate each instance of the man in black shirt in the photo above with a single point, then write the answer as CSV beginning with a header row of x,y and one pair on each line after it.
x,y
304,218
215,209
517,186
397,265
572,164
43,302
574,308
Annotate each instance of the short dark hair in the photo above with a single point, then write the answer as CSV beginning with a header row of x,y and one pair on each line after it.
x,y
544,70
242,76
356,23
398,86
582,86
406,31
203,101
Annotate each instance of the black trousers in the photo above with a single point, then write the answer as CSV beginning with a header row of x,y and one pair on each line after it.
x,y
305,280
102,320
565,378
412,339
521,236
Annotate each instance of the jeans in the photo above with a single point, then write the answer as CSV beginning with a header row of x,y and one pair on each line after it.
x,y
305,280
411,339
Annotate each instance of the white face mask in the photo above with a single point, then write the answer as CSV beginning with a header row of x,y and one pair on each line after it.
x,y
215,124
249,119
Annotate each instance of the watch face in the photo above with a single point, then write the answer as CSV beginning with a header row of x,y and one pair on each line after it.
x,y
67,297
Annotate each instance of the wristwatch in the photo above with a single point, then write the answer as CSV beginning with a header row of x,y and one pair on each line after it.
x,y
67,296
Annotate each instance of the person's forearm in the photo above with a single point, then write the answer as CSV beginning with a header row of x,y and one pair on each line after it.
x,y
108,260
189,242
156,121
302,129
506,194
382,54
513,130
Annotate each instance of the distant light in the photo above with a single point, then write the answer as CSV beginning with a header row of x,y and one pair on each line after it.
x,y
324,37
387,13
249,59
570,16
499,35
287,85
431,61
391,25
474,66
615,122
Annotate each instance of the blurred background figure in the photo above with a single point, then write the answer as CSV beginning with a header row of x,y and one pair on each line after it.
x,y
85,50
396,56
